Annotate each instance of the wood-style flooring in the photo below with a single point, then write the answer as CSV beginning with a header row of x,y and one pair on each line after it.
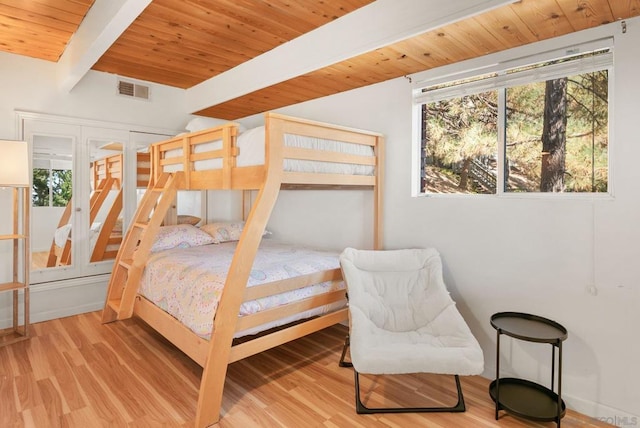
x,y
76,372
39,259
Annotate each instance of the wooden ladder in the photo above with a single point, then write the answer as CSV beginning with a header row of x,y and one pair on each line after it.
x,y
130,261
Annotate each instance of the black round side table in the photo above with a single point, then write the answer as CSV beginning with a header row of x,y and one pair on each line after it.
x,y
521,397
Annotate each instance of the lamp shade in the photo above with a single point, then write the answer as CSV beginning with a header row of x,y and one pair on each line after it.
x,y
14,164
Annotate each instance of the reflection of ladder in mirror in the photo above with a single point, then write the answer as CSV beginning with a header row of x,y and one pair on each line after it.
x,y
106,239
53,257
98,197
137,243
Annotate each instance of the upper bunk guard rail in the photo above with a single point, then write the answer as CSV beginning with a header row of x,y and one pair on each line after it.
x,y
108,167
219,146
183,151
181,158
113,167
308,128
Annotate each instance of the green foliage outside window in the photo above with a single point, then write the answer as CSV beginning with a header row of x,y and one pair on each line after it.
x,y
60,187
51,187
40,190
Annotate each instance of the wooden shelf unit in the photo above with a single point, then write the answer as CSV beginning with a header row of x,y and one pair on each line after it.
x,y
20,279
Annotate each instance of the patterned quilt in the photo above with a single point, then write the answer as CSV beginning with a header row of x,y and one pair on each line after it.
x,y
188,282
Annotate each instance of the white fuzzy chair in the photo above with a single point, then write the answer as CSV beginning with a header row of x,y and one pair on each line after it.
x,y
402,320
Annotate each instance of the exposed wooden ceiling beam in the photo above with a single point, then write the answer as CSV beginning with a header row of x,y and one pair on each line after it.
x,y
379,24
101,27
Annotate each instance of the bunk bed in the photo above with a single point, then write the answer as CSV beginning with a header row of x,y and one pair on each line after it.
x,y
106,234
294,153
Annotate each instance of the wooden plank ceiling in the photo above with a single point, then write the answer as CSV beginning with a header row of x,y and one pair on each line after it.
x,y
183,43
40,28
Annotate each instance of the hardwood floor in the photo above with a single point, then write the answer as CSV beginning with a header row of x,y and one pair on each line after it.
x,y
39,259
75,372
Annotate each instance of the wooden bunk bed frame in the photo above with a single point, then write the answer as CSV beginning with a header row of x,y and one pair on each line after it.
x,y
106,175
214,355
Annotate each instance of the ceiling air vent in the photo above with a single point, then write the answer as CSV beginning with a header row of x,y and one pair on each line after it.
x,y
129,89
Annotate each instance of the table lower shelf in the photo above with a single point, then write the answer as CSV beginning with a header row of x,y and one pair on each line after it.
x,y
527,399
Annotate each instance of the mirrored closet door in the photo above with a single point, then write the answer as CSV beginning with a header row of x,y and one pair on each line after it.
x,y
55,201
83,193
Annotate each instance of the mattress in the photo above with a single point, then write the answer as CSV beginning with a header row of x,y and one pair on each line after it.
x,y
251,144
188,282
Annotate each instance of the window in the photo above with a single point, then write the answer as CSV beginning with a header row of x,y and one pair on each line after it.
x,y
538,128
51,187
459,144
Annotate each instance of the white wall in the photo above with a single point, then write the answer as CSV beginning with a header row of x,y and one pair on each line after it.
x,y
45,222
536,255
31,85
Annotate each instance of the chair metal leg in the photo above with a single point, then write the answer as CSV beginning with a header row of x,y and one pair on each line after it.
x,y
342,362
362,409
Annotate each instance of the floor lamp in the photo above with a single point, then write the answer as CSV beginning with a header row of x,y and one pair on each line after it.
x,y
15,174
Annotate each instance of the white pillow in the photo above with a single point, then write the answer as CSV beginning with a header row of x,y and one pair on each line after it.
x,y
188,219
201,123
180,236
225,231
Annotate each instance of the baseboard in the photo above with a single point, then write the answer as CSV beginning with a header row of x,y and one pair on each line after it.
x,y
59,299
601,412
